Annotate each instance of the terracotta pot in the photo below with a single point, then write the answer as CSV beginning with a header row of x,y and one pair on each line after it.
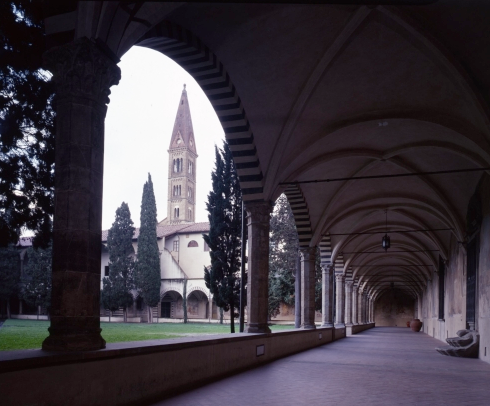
x,y
408,324
416,325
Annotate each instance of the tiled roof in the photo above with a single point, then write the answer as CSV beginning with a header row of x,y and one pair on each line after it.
x,y
164,231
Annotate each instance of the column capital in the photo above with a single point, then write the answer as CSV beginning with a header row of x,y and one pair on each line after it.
x,y
339,277
349,283
81,69
327,267
307,253
258,211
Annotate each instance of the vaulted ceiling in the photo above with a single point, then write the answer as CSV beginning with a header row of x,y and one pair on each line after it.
x,y
321,91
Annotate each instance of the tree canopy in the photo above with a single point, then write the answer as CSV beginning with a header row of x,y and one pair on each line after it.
x,y
283,254
26,125
9,274
147,272
224,239
36,278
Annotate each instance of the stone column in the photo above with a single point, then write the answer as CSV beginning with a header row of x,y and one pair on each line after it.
x,y
364,306
327,295
339,285
370,309
359,307
308,259
83,75
348,303
297,293
354,304
258,216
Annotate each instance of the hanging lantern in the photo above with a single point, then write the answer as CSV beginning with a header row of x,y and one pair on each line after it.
x,y
385,242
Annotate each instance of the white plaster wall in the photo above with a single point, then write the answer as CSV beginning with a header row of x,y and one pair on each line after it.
x,y
191,259
169,268
483,281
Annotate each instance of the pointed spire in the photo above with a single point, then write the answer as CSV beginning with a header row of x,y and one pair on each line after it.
x,y
183,133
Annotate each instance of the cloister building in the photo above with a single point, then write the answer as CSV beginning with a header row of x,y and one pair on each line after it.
x,y
372,118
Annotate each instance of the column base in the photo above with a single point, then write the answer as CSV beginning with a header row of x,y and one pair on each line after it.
x,y
349,324
327,325
259,328
69,339
308,327
339,325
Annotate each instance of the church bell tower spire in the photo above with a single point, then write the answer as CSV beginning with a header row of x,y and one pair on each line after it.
x,y
182,167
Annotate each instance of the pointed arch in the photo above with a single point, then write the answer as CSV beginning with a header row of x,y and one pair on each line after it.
x,y
186,49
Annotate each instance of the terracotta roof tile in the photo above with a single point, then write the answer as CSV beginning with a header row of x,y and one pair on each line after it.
x,y
164,231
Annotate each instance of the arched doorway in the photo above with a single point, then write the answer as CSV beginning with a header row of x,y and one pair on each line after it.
x,y
171,305
197,305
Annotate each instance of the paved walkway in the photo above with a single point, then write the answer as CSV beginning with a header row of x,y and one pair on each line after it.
x,y
385,366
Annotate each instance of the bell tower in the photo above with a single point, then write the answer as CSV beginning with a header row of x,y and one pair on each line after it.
x,y
182,156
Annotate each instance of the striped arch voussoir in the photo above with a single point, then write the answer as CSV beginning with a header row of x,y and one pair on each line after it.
x,y
183,47
300,213
325,250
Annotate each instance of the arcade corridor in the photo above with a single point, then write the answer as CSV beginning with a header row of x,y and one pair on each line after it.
x,y
381,366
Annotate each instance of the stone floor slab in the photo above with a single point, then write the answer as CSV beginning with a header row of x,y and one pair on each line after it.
x,y
381,366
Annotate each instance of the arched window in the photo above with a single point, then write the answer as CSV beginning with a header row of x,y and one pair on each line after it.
x,y
193,243
176,213
190,214
175,166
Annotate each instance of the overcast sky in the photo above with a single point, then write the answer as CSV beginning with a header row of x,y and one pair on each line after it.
x,y
138,128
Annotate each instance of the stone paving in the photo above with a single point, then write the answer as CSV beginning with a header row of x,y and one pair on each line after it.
x,y
382,366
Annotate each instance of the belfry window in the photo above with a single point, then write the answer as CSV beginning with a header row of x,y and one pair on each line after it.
x,y
176,213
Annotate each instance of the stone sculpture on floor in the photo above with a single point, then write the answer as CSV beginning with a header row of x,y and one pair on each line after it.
x,y
464,345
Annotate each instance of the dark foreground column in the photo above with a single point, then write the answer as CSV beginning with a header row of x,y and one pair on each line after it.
x,y
83,76
258,216
327,295
308,259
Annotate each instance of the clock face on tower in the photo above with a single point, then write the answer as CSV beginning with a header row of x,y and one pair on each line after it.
x,y
179,141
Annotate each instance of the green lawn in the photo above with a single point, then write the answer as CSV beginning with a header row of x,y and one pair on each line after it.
x,y
29,334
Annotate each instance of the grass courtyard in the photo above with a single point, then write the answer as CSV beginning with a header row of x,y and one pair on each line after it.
x,y
29,334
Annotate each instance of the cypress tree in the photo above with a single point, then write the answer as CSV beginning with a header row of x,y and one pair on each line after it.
x,y
9,275
121,264
147,275
36,281
224,238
